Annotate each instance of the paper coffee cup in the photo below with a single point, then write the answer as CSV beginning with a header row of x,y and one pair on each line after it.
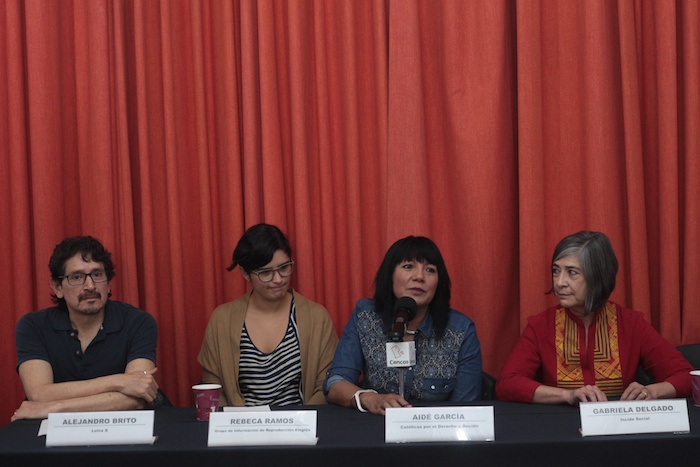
x,y
695,380
206,399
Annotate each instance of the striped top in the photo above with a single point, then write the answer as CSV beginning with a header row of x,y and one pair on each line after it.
x,y
274,378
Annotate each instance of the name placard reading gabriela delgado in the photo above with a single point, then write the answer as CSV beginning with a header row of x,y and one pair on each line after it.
x,y
100,428
262,428
629,417
420,424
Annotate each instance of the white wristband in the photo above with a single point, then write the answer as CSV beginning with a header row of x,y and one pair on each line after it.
x,y
356,396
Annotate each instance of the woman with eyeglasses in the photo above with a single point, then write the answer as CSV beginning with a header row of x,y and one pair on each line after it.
x,y
271,346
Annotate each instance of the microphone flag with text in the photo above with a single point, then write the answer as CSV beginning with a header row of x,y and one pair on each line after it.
x,y
399,354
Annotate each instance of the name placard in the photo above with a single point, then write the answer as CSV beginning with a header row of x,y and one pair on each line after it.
x,y
406,425
262,428
100,428
630,417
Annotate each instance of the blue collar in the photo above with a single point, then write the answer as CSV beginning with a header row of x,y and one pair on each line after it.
x,y
426,327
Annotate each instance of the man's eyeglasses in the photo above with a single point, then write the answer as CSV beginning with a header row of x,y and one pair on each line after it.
x,y
266,275
78,278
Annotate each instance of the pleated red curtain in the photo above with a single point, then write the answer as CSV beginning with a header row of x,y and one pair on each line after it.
x,y
453,152
495,127
608,140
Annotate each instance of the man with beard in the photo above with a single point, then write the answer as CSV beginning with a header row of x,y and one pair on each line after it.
x,y
87,353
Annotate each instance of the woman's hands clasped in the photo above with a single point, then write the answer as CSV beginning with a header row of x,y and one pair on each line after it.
x,y
586,393
634,392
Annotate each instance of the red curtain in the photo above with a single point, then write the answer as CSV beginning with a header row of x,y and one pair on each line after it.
x,y
495,127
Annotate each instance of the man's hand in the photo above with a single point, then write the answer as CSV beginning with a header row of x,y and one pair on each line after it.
x,y
103,402
140,384
31,409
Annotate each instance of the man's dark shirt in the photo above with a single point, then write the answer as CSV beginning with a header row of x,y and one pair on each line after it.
x,y
127,333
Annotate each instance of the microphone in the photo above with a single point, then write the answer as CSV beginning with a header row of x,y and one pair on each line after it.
x,y
404,311
399,354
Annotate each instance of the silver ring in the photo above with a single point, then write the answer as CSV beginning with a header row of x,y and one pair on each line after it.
x,y
645,393
145,372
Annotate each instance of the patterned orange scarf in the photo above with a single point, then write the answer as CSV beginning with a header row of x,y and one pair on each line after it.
x,y
606,356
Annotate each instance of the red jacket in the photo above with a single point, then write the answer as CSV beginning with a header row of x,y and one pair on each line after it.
x,y
535,361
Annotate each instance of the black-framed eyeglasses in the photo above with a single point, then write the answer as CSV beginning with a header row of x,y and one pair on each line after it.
x,y
266,275
79,278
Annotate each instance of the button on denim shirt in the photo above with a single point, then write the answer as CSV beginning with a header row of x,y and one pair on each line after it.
x,y
447,369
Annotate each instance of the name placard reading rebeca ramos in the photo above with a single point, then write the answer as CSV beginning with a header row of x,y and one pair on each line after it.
x,y
278,427
630,417
100,428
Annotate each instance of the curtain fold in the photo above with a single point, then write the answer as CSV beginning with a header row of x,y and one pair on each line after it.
x,y
689,167
452,152
494,127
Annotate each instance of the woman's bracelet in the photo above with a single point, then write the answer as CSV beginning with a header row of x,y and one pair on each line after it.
x,y
356,396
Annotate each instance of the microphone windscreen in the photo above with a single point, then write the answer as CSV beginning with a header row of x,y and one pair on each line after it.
x,y
406,303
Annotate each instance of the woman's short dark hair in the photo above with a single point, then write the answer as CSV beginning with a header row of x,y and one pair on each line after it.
x,y
257,246
423,250
598,265
89,248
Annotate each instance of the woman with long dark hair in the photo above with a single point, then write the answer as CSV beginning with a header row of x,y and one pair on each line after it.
x,y
448,355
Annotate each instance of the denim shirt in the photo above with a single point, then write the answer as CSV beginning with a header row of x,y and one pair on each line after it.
x,y
447,369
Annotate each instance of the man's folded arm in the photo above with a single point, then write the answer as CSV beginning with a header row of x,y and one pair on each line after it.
x,y
137,382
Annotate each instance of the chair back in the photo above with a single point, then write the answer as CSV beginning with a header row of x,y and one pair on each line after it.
x,y
488,387
161,400
691,352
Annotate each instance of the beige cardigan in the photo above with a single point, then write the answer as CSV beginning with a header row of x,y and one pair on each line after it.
x,y
220,354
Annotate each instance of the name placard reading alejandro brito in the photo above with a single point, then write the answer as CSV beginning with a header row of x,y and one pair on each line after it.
x,y
100,428
629,417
